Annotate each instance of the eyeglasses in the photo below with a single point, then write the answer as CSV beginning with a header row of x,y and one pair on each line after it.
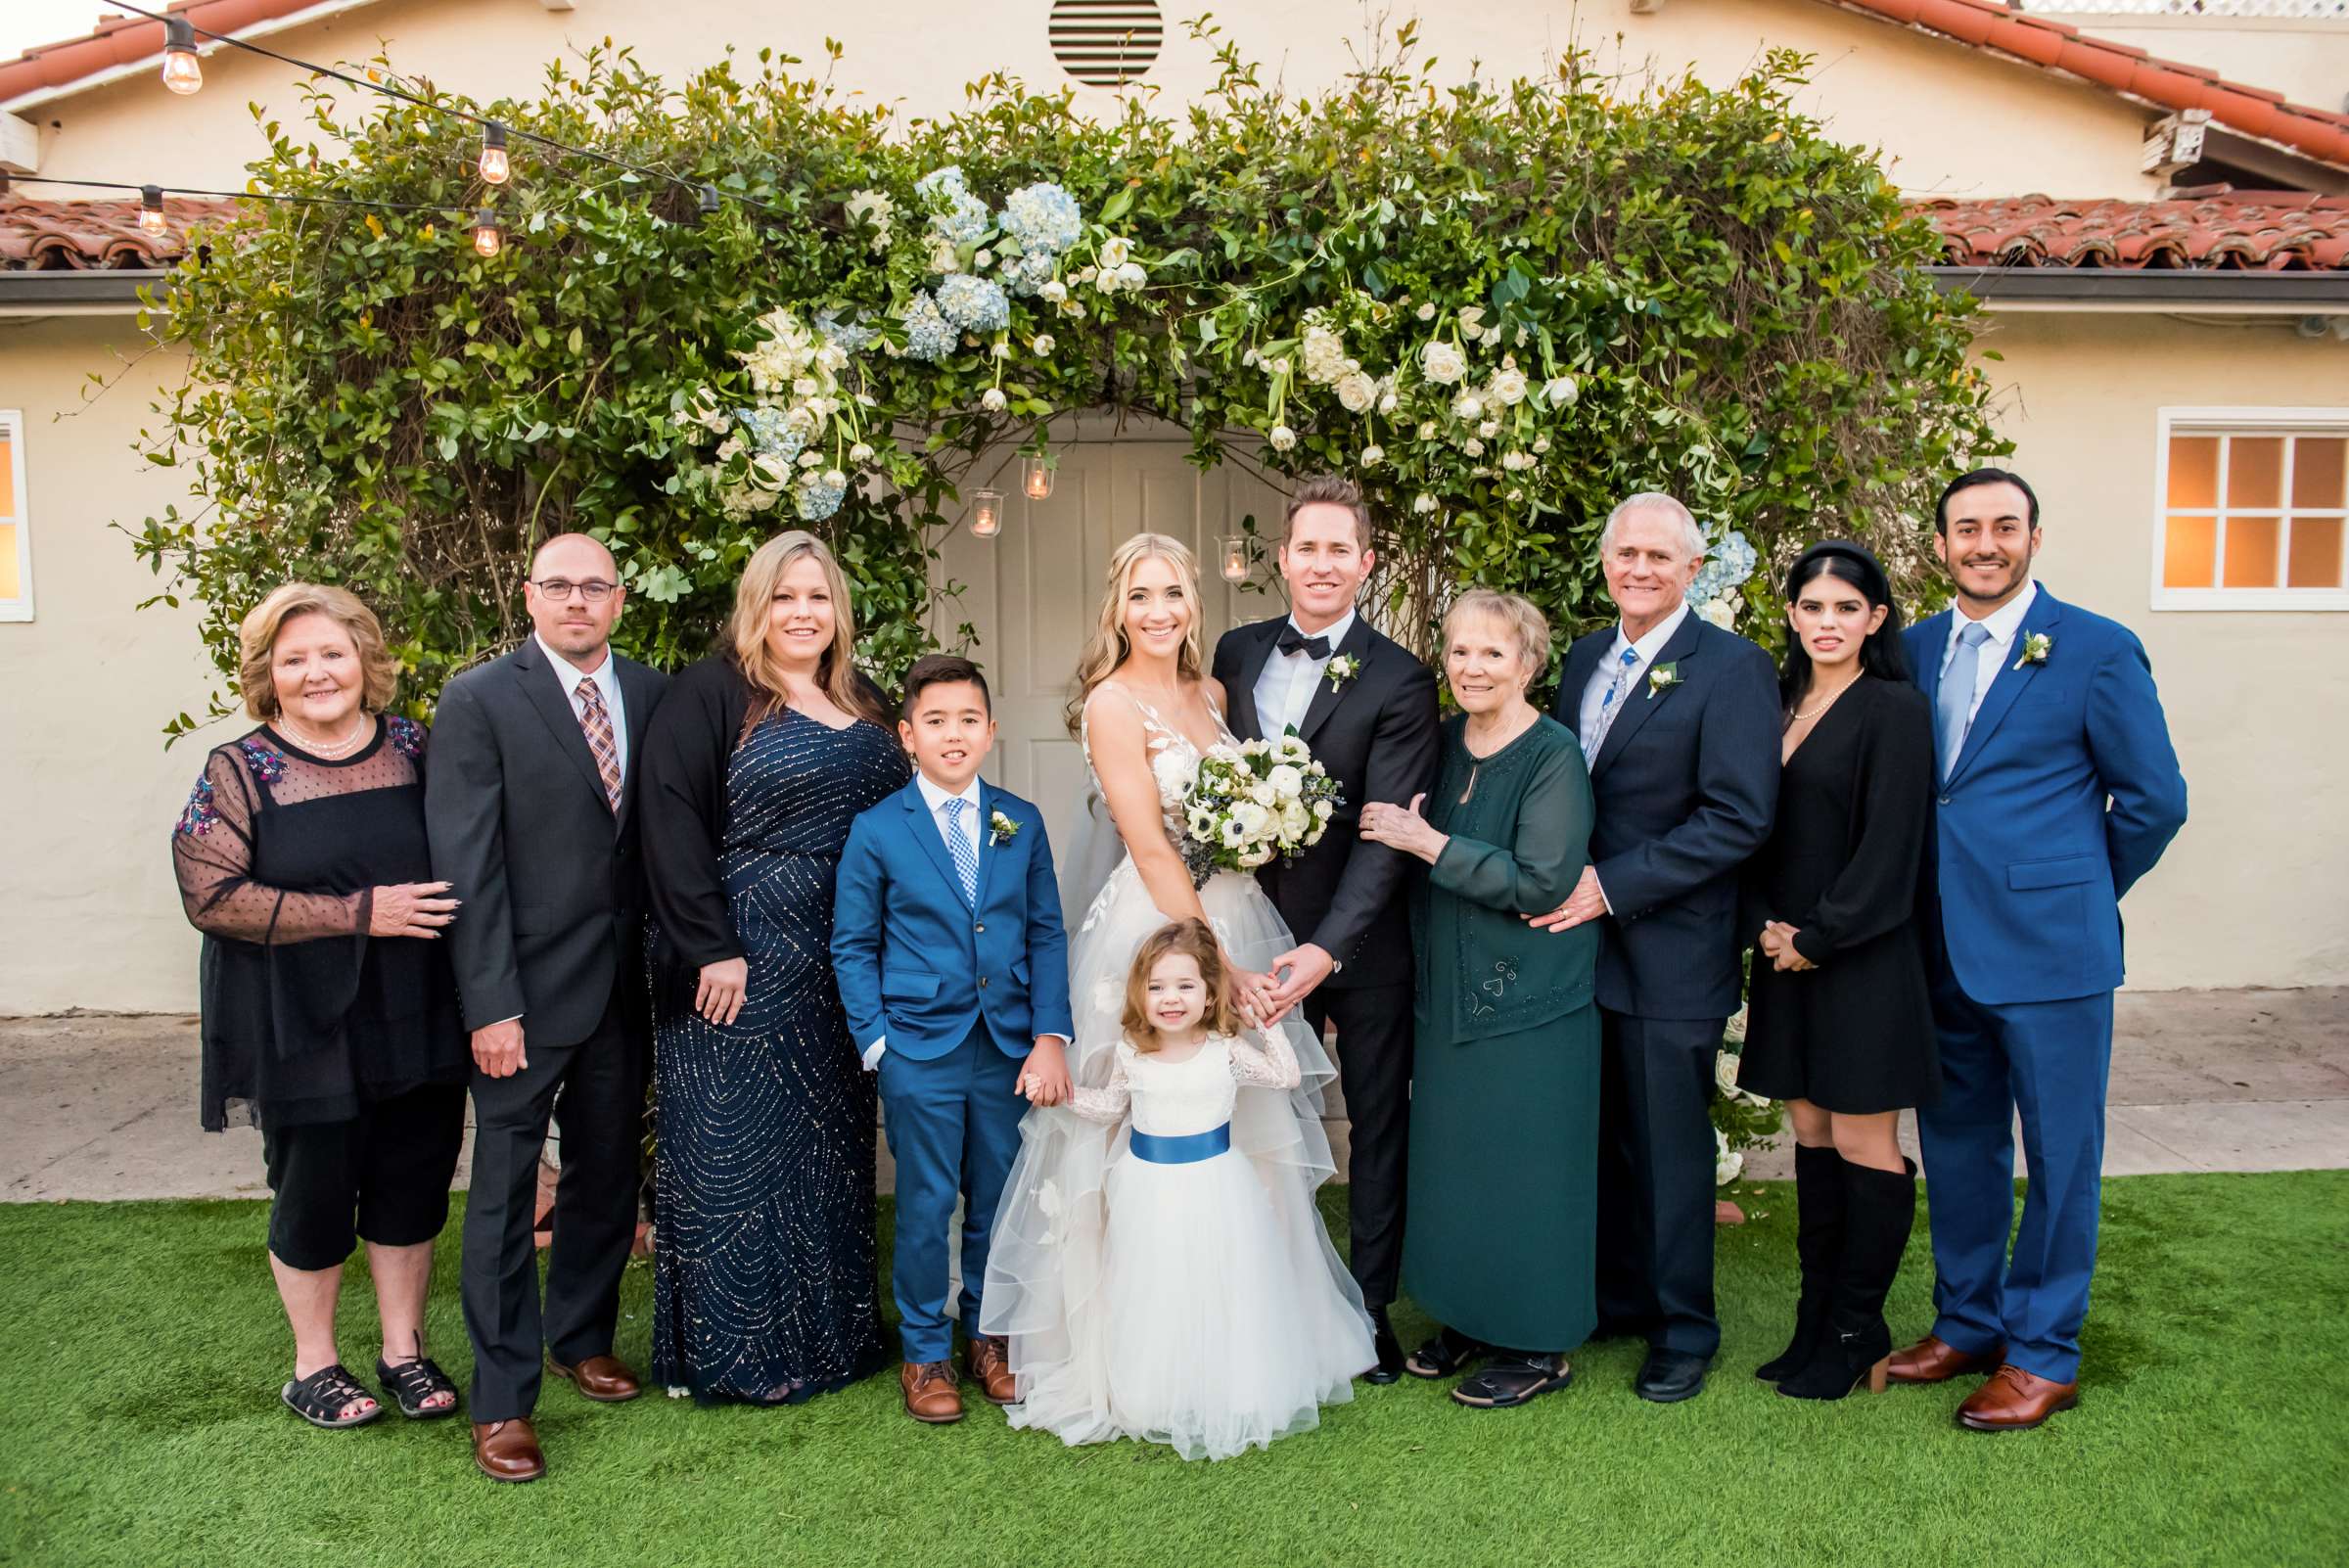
x,y
594,590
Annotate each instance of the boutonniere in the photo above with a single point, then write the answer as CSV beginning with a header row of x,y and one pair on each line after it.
x,y
1005,829
1661,678
1341,669
2036,645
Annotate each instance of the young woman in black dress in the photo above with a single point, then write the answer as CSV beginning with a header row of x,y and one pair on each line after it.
x,y
1839,1022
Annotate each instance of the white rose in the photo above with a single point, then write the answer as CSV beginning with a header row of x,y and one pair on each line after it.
x,y
1114,252
992,399
1427,430
1559,391
1386,402
1285,780
1541,443
983,258
1721,611
1323,811
1292,749
1443,363
1473,448
1727,1164
1492,337
1294,821
1426,311
1470,316
1371,456
1283,437
1263,794
1467,405
1507,387
1358,392
1489,428
1043,344
1258,856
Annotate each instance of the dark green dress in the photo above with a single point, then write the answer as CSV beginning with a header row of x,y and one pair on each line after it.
x,y
1504,1198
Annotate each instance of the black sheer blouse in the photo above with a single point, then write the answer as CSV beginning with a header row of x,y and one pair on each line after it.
x,y
307,1018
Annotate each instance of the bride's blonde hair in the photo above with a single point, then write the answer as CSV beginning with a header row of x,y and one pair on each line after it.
x,y
1107,647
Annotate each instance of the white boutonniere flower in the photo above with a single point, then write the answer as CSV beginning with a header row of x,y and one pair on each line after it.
x,y
1341,669
2036,645
1661,678
1005,828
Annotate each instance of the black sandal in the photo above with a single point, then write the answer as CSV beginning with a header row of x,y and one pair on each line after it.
x,y
319,1397
1513,1378
1446,1353
411,1383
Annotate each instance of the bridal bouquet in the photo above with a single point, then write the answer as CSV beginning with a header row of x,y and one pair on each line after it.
x,y
1248,803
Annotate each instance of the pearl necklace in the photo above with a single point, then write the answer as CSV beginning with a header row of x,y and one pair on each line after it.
x,y
1801,717
328,751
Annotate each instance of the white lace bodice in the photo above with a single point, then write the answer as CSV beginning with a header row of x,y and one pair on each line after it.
x,y
1175,1098
1174,757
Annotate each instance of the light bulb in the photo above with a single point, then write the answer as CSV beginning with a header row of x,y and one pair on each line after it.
x,y
987,514
151,209
183,73
707,208
496,168
1036,478
488,237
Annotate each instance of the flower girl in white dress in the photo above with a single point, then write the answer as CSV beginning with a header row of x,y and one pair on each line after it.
x,y
1221,1326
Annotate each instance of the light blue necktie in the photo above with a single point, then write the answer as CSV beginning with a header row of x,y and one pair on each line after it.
x,y
1954,704
1609,704
964,853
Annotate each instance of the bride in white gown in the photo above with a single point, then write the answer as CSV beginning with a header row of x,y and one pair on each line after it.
x,y
1280,1329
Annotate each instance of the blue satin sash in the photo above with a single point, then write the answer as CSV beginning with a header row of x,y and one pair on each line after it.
x,y
1187,1148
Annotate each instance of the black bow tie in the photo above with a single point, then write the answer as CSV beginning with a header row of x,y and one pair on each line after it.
x,y
1294,641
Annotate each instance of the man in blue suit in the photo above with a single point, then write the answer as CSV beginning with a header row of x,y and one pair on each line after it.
x,y
2058,790
954,971
1679,723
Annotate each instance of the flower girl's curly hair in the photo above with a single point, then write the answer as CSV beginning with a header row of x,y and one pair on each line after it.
x,y
1190,937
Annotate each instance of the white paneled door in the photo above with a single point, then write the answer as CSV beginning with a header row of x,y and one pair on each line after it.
x,y
1031,594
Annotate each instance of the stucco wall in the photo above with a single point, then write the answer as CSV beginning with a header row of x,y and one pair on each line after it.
x,y
1950,119
2256,890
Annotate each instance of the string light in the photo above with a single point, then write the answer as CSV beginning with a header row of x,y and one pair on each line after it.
x,y
488,237
183,73
151,209
495,167
709,206
987,514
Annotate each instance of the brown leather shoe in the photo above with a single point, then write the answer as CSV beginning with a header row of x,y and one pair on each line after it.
x,y
605,1379
2015,1400
930,1392
507,1450
1934,1360
987,1361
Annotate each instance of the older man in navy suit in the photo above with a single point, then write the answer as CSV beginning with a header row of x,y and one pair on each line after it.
x,y
2058,790
1680,725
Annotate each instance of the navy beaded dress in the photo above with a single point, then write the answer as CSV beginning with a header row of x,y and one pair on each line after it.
x,y
763,1185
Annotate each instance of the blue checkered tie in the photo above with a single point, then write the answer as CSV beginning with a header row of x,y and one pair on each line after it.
x,y
965,854
1609,704
1954,702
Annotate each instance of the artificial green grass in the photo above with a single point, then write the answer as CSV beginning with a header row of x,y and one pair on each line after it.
x,y
141,1348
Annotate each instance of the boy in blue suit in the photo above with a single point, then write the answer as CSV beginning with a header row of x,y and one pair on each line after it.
x,y
954,971
2058,790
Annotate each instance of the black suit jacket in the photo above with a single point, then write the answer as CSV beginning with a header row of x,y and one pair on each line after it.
x,y
1686,784
552,883
1379,737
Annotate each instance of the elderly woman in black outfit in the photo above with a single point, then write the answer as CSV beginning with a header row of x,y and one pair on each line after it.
x,y
328,1016
1839,1022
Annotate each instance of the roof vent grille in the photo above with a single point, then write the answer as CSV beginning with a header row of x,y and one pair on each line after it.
x,y
1106,43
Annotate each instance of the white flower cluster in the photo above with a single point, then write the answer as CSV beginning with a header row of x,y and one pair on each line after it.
x,y
873,208
1247,803
1727,565
796,373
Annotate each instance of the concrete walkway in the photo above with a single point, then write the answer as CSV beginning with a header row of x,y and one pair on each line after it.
x,y
104,1106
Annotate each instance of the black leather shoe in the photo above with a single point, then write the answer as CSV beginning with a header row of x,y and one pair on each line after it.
x,y
1670,1376
1389,1348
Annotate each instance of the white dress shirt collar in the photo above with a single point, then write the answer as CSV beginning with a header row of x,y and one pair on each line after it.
x,y
1336,632
936,798
1650,645
2001,624
606,676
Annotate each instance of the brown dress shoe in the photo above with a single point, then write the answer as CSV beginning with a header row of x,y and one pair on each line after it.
x,y
605,1379
930,1392
507,1450
987,1361
2015,1400
1933,1360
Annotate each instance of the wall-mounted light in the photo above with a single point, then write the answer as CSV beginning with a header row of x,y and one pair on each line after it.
x,y
183,73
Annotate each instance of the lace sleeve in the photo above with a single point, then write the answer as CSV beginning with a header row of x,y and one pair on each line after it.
x,y
211,855
1263,1060
1108,1104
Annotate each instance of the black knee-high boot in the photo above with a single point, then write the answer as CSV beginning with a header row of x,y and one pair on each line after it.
x,y
1817,1239
1880,1209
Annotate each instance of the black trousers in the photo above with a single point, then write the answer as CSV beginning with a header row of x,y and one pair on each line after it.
x,y
600,1120
381,1177
1374,1072
1655,1179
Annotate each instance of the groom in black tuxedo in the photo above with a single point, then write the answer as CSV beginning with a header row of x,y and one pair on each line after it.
x,y
1368,708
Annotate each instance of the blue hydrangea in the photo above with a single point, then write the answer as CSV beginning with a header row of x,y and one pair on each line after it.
x,y
927,334
941,184
852,336
815,500
1727,565
954,212
1025,272
973,303
767,434
1041,218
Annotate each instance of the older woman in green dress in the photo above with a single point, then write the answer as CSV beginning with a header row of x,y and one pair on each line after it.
x,y
1504,1088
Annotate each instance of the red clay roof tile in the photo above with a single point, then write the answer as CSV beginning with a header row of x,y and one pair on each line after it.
x,y
2214,228
38,236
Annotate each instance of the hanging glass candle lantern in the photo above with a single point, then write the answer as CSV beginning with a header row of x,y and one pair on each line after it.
x,y
987,514
1235,558
1036,475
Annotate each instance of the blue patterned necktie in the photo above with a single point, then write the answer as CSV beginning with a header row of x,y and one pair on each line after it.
x,y
965,854
1609,704
1954,702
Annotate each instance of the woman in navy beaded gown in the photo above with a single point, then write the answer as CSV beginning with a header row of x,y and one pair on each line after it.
x,y
756,765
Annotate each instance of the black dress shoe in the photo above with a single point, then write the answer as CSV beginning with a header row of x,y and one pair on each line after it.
x,y
1670,1376
1389,1348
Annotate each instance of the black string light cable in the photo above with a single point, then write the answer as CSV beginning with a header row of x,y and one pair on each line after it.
x,y
179,56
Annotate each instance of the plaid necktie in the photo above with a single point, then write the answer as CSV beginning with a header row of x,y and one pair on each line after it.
x,y
597,724
963,850
1610,705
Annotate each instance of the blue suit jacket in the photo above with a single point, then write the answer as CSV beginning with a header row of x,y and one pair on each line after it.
x,y
917,963
1686,784
2065,792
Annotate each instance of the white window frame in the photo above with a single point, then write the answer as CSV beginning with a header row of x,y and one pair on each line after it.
x,y
12,428
2239,422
